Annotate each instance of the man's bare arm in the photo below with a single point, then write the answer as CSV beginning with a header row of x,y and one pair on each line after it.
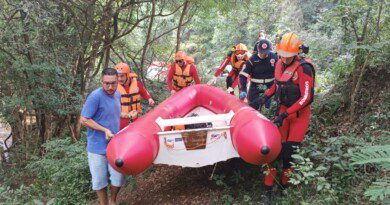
x,y
94,125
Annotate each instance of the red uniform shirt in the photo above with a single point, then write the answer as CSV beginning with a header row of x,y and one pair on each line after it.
x,y
305,80
193,73
223,66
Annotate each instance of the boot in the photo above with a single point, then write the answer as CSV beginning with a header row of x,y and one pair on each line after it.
x,y
269,177
286,174
285,178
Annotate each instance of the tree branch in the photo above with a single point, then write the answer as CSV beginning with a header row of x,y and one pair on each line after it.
x,y
183,13
147,39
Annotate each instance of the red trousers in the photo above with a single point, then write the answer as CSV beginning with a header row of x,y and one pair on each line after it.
x,y
293,130
232,79
295,126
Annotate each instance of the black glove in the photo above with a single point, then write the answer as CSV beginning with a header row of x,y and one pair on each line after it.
x,y
262,101
279,120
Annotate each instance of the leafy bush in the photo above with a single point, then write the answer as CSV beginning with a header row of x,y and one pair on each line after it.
x,y
325,173
61,176
380,156
319,169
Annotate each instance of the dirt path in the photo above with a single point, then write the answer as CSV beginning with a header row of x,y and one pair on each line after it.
x,y
164,184
172,185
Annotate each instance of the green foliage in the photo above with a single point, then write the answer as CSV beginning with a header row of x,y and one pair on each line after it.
x,y
305,172
57,177
378,190
61,176
51,54
324,172
319,169
380,156
227,199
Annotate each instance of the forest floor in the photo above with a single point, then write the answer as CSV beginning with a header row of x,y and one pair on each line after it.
x,y
164,184
171,185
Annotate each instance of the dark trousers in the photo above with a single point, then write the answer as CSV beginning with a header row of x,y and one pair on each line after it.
x,y
255,91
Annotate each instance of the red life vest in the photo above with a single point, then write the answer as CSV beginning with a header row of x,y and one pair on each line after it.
x,y
287,91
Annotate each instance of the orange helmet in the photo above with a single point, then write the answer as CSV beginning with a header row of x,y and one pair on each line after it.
x,y
278,38
190,60
240,51
180,55
122,68
289,45
241,47
277,47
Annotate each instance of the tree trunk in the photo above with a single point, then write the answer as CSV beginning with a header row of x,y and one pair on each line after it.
x,y
145,48
360,64
357,88
178,35
42,129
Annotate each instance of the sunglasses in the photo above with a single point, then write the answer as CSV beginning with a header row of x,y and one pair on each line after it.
x,y
179,61
240,52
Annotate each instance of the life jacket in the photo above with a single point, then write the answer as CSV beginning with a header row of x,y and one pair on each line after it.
x,y
182,79
132,100
190,60
288,92
237,64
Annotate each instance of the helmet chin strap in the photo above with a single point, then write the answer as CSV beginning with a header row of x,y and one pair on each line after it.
x,y
285,65
126,82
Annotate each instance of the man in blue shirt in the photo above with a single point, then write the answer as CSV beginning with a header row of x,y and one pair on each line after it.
x,y
261,68
101,116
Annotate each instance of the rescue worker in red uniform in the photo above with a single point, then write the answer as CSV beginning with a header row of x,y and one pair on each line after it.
x,y
293,90
182,73
131,91
236,57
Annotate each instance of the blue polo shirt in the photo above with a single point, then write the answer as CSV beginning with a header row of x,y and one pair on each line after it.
x,y
105,110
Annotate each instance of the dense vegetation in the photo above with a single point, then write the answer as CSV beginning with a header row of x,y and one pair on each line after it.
x,y
52,52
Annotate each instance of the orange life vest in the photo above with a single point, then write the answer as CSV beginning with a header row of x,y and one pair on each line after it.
x,y
182,79
237,64
131,100
287,91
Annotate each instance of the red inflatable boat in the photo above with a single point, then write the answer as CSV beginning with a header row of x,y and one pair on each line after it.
x,y
231,129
